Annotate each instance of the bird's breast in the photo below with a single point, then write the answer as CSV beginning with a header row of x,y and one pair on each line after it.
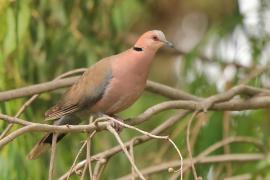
x,y
120,94
129,75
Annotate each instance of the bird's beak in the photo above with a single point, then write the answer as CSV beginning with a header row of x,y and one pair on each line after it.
x,y
167,43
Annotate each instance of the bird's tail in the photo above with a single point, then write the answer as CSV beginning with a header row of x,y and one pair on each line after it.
x,y
45,143
38,149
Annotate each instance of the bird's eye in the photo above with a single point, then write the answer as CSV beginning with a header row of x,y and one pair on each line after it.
x,y
155,38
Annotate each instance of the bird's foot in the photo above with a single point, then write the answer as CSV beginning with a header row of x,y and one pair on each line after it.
x,y
117,126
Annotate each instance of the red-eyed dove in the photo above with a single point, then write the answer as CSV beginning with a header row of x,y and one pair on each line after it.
x,y
108,87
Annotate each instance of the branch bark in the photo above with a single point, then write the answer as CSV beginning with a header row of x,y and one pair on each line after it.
x,y
136,141
258,98
206,160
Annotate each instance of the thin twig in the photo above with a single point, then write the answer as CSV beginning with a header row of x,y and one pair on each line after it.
x,y
240,177
77,156
179,129
226,130
131,151
188,144
134,128
224,142
254,73
88,157
88,151
37,127
112,130
139,140
205,160
21,110
202,157
99,168
84,171
153,136
150,135
53,153
35,96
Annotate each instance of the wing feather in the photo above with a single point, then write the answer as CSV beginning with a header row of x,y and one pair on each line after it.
x,y
85,92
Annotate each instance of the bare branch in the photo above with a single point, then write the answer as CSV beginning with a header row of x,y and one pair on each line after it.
x,y
37,89
125,151
99,168
77,156
131,151
257,98
188,145
66,82
224,142
35,96
170,92
37,127
206,160
232,105
53,152
21,110
138,140
202,157
88,151
84,171
240,177
152,136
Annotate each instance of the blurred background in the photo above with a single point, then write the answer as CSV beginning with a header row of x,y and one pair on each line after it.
x,y
220,43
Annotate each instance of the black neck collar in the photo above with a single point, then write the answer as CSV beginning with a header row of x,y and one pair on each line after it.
x,y
137,48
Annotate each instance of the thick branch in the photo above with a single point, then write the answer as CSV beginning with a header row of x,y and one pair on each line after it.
x,y
37,127
155,87
232,105
37,88
137,140
205,160
202,156
170,92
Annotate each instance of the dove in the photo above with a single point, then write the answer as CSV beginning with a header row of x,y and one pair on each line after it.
x,y
108,87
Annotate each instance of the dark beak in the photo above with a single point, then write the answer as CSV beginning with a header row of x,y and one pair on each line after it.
x,y
168,44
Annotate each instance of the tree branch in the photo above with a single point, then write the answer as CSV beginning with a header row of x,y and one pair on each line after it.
x,y
112,130
53,153
206,160
136,141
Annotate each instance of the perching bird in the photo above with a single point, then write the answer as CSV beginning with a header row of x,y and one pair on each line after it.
x,y
108,87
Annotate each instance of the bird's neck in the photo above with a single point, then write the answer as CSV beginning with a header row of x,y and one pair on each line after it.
x,y
142,60
135,63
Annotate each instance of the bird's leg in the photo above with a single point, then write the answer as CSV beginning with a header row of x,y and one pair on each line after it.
x,y
117,126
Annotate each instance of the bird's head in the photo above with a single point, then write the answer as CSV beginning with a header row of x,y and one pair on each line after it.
x,y
152,40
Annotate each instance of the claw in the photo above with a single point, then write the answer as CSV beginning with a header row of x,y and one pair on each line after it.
x,y
118,127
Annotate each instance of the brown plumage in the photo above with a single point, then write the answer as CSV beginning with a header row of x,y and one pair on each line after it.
x,y
108,87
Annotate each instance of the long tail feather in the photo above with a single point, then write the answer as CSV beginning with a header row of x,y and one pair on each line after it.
x,y
45,143
39,148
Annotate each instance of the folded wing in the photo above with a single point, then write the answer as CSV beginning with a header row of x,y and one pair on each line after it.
x,y
85,92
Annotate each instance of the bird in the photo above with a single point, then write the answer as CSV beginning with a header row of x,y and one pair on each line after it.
x,y
110,86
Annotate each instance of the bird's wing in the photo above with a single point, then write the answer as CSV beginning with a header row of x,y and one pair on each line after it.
x,y
85,92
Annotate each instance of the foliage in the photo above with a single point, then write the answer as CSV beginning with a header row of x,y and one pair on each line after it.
x,y
42,39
